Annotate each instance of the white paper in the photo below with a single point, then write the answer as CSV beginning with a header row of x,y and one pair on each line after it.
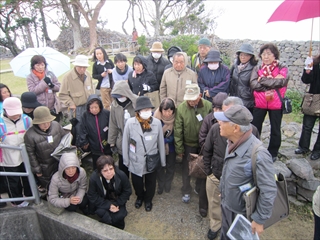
x,y
241,229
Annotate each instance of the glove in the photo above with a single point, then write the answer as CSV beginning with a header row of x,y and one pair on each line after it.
x,y
146,87
308,63
48,82
114,149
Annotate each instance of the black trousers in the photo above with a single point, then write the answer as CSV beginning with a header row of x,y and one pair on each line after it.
x,y
123,167
165,174
82,206
275,117
145,186
14,184
186,186
203,199
307,126
114,219
316,227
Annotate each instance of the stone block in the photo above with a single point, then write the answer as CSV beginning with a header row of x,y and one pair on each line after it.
x,y
305,193
291,187
309,184
301,168
280,167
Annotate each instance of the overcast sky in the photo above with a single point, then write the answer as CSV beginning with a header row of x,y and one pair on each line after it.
x,y
240,20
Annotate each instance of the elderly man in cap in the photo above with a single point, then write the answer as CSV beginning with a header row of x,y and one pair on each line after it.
x,y
156,62
204,46
214,77
189,117
176,78
77,86
237,175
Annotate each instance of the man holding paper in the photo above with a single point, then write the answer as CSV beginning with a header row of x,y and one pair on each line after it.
x,y
237,175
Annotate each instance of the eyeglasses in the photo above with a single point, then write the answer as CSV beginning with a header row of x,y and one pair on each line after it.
x,y
266,54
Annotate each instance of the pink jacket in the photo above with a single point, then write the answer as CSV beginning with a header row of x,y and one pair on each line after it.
x,y
269,84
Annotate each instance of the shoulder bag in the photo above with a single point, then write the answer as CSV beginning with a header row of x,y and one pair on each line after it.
x,y
311,104
286,103
196,165
152,161
280,208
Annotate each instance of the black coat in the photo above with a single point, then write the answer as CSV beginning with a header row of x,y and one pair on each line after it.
x,y
313,78
97,69
157,68
122,189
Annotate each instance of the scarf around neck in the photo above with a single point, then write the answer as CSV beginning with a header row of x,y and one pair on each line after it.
x,y
145,123
38,74
268,69
73,178
120,72
233,146
168,122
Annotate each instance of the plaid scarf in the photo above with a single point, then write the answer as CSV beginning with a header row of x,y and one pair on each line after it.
x,y
267,69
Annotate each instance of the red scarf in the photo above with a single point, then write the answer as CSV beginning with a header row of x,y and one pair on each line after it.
x,y
38,74
73,178
267,69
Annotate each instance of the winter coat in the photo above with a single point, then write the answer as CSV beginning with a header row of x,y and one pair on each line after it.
x,y
73,90
118,76
237,172
10,157
45,94
214,80
146,77
98,68
173,83
135,159
215,148
116,122
187,125
89,132
208,121
240,84
157,68
316,202
313,78
260,87
39,149
97,192
60,190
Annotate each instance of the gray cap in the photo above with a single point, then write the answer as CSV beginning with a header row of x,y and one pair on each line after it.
x,y
237,114
192,92
143,102
213,56
246,48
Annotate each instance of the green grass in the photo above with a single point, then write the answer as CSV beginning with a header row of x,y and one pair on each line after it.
x,y
18,85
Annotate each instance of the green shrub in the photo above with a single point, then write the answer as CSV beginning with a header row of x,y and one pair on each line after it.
x,y
142,41
296,100
188,44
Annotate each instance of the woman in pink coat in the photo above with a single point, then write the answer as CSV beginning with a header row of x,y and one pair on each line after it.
x,y
268,81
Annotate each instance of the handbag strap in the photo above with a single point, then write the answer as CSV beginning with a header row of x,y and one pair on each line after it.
x,y
143,145
254,162
281,99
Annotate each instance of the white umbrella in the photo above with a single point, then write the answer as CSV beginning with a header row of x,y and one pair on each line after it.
x,y
57,62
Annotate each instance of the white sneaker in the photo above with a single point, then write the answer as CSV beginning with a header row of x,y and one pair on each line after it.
x,y
23,204
186,198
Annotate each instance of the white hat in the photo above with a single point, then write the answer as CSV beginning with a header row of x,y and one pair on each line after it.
x,y
81,61
13,106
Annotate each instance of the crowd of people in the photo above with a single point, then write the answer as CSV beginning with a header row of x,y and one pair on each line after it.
x,y
203,106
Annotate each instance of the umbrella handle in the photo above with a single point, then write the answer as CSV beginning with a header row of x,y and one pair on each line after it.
x,y
310,49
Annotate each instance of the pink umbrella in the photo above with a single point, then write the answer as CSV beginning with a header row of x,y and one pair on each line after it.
x,y
297,10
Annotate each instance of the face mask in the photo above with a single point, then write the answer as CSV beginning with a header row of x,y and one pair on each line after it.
x,y
171,59
145,115
122,99
156,55
213,66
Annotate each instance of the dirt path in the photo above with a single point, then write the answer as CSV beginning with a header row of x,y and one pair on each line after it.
x,y
170,218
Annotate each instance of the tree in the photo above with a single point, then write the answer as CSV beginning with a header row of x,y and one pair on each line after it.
x,y
91,16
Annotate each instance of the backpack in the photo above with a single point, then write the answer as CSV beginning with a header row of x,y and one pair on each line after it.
x,y
3,129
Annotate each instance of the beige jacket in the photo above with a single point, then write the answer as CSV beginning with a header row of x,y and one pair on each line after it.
x,y
173,83
73,91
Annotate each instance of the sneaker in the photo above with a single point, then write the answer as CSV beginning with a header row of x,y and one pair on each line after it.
x,y
186,198
23,204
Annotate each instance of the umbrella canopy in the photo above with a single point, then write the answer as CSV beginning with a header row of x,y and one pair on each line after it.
x,y
58,63
296,10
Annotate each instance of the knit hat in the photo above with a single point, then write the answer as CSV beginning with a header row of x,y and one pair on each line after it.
x,y
237,114
81,61
13,106
246,48
192,92
213,56
142,103
172,50
204,41
157,47
42,115
29,100
218,99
